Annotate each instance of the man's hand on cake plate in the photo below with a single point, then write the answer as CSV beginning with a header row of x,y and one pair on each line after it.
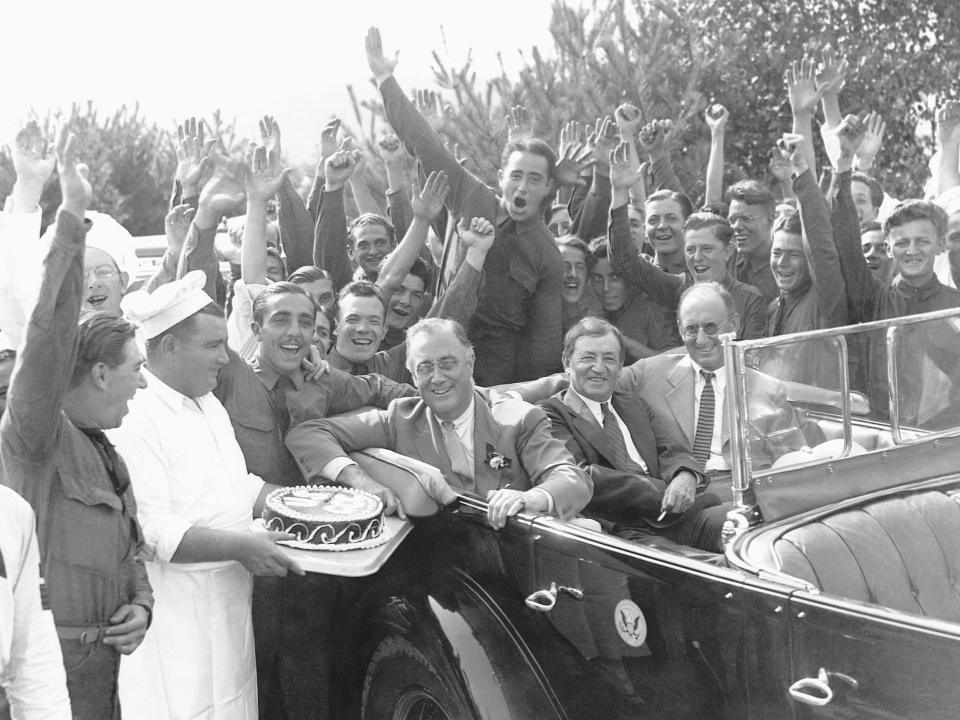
x,y
260,554
504,503
127,628
353,476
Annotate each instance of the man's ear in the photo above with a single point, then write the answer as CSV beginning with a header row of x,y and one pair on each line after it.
x,y
257,330
168,343
124,279
98,375
735,322
500,177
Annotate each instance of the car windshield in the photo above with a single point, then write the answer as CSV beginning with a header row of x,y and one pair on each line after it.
x,y
813,397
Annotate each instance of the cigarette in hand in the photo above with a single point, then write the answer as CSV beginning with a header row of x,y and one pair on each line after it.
x,y
662,516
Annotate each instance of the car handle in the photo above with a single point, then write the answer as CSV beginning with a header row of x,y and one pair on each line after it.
x,y
817,691
545,600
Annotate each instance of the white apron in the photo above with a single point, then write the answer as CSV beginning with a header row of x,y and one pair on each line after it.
x,y
197,660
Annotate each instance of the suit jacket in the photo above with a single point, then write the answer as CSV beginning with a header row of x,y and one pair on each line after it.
x,y
667,384
516,430
619,496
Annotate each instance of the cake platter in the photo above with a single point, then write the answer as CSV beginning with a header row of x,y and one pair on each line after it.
x,y
356,560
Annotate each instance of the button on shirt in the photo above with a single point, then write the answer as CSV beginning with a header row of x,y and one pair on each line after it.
x,y
185,465
717,460
597,411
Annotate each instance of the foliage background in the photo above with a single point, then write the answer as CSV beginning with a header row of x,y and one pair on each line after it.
x,y
669,57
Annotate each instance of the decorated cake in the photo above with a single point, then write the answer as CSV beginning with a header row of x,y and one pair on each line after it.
x,y
324,514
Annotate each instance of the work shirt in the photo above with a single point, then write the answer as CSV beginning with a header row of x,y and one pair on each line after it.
x,y
516,330
247,393
87,530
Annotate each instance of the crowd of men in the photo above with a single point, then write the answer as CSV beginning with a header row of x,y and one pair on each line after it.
x,y
143,428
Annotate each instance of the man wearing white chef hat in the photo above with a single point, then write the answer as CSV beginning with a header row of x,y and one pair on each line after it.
x,y
195,502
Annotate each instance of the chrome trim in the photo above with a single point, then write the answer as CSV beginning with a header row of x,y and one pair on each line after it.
x,y
893,402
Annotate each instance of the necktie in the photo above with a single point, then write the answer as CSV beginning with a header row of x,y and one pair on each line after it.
x,y
780,313
116,469
708,404
359,369
621,458
459,462
278,398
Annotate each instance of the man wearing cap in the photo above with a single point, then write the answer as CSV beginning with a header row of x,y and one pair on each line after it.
x,y
197,501
70,383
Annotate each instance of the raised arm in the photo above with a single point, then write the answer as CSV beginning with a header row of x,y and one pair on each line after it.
x,y
661,286
863,289
44,366
653,139
396,160
716,116
328,146
427,205
176,225
830,78
948,138
262,180
817,236
468,195
330,240
871,144
588,218
804,95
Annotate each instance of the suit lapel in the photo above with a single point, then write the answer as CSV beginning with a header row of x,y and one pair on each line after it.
x,y
635,418
586,424
681,397
428,443
486,431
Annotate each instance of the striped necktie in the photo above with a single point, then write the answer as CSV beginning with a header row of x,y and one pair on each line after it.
x,y
621,458
459,463
708,405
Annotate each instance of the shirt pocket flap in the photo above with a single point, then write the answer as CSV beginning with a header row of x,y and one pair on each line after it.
x,y
81,490
263,421
523,274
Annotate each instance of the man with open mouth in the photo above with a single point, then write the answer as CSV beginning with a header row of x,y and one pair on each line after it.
x,y
517,326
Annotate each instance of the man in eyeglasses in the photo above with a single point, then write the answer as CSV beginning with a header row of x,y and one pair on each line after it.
x,y
503,452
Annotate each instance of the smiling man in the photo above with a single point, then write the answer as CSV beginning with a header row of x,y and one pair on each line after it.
x,y
707,248
578,297
503,453
751,212
645,479
517,325
666,212
876,251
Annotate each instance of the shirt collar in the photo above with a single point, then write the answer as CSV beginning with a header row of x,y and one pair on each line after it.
x,y
269,376
462,420
719,376
925,292
592,405
174,399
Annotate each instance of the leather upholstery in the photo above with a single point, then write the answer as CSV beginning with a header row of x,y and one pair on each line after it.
x,y
900,552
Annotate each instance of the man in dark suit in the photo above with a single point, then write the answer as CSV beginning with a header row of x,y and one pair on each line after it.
x,y
645,478
673,384
504,453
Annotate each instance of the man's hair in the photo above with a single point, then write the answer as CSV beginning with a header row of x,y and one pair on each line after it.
x,y
535,146
272,252
870,226
752,192
185,327
686,207
708,221
789,224
423,271
360,288
710,287
599,249
876,189
434,326
911,210
717,208
280,288
574,242
102,338
590,327
308,274
370,219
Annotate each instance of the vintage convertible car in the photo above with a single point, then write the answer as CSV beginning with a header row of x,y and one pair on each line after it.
x,y
838,594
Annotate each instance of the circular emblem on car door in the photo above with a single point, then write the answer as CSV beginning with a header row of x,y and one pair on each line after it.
x,y
631,625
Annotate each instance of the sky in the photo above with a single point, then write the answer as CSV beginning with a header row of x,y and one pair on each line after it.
x,y
288,58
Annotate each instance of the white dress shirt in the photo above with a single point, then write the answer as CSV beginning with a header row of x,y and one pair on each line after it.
x,y
717,460
597,411
31,666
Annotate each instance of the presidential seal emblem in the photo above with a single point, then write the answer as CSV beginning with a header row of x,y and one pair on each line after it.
x,y
631,625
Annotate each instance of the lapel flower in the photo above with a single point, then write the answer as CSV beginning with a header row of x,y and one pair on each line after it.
x,y
495,460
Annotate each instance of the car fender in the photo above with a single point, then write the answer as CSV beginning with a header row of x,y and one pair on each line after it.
x,y
470,642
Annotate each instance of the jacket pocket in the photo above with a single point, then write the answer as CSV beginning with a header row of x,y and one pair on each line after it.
x,y
87,526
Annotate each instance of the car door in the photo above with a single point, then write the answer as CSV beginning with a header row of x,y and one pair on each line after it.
x,y
852,660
